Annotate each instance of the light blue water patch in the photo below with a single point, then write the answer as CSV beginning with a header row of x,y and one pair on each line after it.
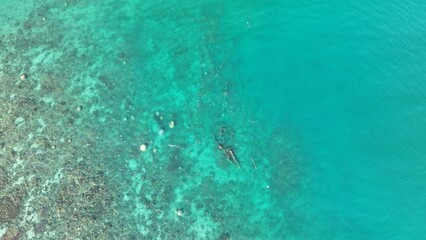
x,y
349,79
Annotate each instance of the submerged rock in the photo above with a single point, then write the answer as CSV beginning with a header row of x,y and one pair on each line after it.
x,y
9,210
172,124
143,147
12,234
23,76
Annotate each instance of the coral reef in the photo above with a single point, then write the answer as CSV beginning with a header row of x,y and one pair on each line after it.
x,y
78,102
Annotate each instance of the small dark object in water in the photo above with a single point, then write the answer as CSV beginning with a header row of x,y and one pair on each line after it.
x,y
220,146
224,140
229,154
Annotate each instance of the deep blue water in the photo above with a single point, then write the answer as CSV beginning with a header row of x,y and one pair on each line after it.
x,y
348,78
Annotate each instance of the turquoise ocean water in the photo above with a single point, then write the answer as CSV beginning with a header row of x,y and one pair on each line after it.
x,y
349,79
291,119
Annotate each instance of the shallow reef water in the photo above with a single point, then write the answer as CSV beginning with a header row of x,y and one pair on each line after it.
x,y
85,83
211,119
